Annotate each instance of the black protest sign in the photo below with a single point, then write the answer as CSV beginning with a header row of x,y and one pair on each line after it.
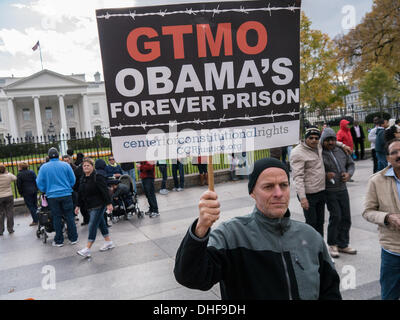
x,y
209,66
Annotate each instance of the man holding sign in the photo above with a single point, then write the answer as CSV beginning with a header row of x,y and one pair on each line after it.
x,y
263,255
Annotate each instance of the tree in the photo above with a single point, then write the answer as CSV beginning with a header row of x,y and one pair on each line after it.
x,y
378,88
376,40
318,69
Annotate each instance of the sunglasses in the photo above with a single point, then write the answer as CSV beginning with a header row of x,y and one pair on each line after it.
x,y
111,159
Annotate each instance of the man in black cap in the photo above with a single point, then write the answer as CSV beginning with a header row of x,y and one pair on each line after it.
x,y
263,255
56,179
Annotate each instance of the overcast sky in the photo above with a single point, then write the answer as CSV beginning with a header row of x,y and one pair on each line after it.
x,y
67,30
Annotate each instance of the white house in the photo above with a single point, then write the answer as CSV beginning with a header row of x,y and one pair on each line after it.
x,y
46,102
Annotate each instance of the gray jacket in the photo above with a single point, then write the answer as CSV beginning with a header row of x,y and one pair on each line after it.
x,y
256,257
336,161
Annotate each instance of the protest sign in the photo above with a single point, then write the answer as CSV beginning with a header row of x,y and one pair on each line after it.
x,y
201,78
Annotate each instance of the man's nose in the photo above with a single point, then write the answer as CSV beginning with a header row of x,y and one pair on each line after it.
x,y
278,192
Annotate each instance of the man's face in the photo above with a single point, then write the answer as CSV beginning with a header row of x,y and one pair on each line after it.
x,y
111,160
385,123
312,141
329,143
66,160
272,192
394,155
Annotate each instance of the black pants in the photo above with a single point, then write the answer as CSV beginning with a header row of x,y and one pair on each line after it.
x,y
148,188
375,160
315,215
359,144
338,204
163,170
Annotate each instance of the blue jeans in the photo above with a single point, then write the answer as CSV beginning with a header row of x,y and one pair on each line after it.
x,y
31,203
97,221
132,174
175,168
63,207
390,276
382,162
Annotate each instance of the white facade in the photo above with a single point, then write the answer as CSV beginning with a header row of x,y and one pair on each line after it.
x,y
50,103
353,100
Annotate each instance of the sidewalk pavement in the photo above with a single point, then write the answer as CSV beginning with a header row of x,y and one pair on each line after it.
x,y
141,265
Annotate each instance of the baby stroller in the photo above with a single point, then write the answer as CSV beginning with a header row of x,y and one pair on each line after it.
x,y
45,224
127,203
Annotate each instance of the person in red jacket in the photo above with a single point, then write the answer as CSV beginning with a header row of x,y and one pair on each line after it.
x,y
147,174
344,134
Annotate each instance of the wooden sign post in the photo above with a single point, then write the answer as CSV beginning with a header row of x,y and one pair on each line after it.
x,y
210,171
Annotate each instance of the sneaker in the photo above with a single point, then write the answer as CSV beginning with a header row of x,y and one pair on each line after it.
x,y
180,189
154,214
33,224
348,250
85,252
107,246
57,244
73,242
164,191
333,251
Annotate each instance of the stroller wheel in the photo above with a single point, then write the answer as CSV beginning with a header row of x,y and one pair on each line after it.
x,y
140,214
38,234
45,237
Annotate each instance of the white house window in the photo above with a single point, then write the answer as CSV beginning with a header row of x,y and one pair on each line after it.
x,y
28,134
49,113
70,112
97,129
96,109
26,113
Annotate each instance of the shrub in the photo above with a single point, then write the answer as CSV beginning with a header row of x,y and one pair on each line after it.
x,y
370,117
336,121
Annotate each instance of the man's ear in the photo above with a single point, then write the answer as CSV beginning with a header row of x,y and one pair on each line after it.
x,y
253,196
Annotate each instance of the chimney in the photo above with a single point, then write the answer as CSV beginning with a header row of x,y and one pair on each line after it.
x,y
97,77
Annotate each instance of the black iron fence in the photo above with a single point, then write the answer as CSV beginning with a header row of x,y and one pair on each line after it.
x,y
319,117
33,150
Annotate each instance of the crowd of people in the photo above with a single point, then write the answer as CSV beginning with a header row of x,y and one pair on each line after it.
x,y
321,165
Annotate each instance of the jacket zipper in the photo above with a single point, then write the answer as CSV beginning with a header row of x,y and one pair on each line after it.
x,y
286,270
298,263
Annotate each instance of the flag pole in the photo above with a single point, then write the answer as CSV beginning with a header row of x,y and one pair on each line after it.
x,y
40,51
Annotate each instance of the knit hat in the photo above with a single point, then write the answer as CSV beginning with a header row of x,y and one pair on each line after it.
x,y
262,164
327,133
312,131
53,153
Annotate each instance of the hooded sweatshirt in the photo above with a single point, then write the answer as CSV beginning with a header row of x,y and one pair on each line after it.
x,y
100,166
336,161
344,134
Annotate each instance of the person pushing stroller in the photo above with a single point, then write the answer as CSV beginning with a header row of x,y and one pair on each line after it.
x,y
120,194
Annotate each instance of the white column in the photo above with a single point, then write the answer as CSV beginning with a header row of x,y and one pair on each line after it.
x,y
38,117
62,114
12,117
86,113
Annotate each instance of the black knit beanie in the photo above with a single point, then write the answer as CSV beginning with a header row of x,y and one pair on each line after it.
x,y
262,164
